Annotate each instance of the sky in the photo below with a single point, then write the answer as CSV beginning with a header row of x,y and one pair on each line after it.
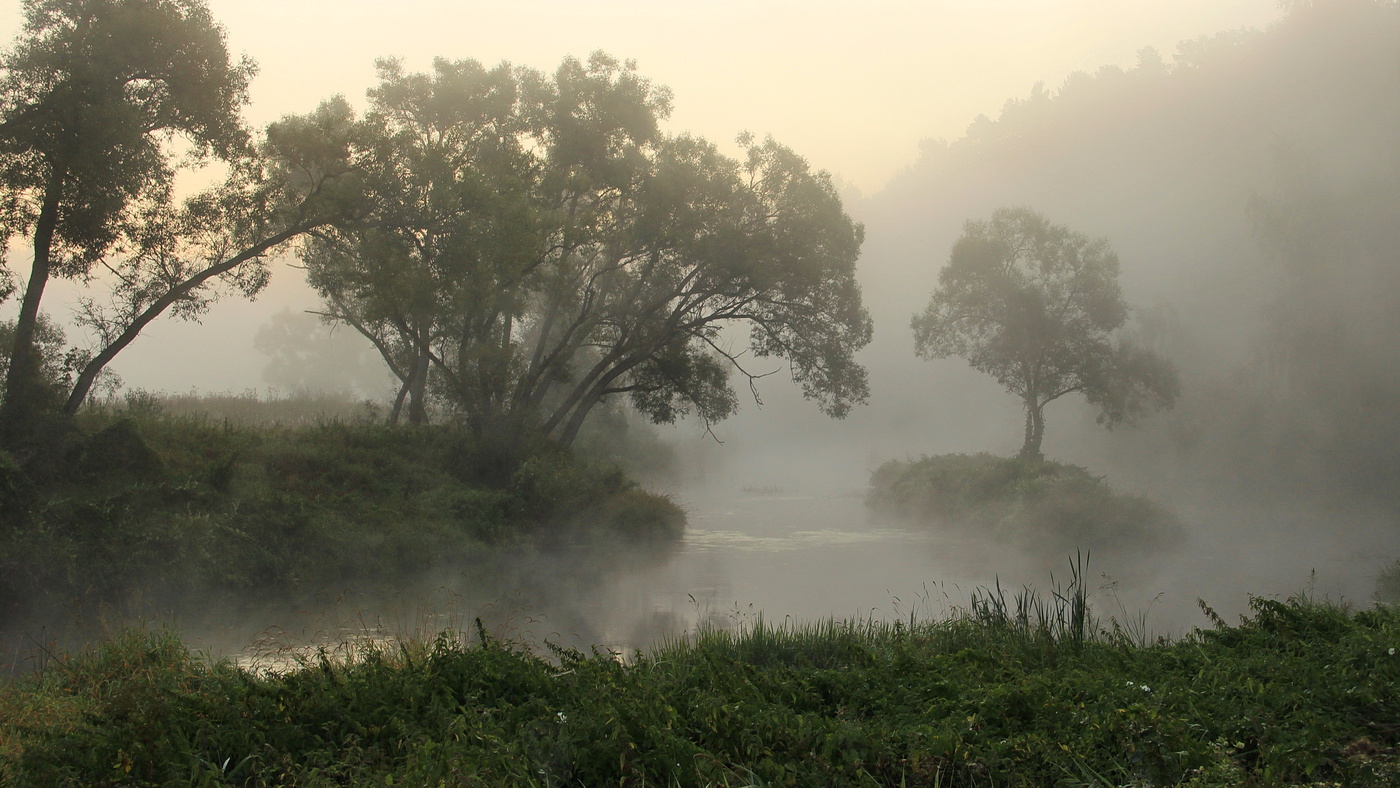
x,y
852,86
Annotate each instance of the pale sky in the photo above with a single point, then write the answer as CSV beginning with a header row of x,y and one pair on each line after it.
x,y
853,86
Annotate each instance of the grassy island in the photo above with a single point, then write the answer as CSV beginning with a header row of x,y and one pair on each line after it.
x,y
136,499
1033,501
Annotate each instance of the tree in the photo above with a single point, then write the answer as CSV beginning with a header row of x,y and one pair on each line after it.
x,y
542,246
1036,305
101,103
91,97
180,260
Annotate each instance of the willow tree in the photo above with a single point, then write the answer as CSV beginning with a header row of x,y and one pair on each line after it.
x,y
1036,306
541,245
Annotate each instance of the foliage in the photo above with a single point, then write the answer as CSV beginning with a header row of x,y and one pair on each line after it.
x,y
91,97
1388,584
1297,693
103,103
1016,499
539,246
56,360
1284,309
1034,305
180,506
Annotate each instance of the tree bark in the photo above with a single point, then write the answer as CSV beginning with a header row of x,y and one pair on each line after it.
x,y
1035,430
417,388
24,376
398,405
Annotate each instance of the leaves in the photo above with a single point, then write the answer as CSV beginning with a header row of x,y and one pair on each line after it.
x,y
1035,305
544,246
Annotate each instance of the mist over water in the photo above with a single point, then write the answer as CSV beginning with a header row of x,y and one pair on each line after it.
x,y
793,545
1248,185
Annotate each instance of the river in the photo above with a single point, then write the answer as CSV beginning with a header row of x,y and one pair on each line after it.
x,y
792,556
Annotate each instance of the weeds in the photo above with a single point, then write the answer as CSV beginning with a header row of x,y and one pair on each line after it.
x,y
1011,691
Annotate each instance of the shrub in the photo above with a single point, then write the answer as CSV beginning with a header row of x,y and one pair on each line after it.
x,y
1388,584
1018,499
150,503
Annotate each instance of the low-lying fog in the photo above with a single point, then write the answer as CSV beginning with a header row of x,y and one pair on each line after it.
x,y
1249,185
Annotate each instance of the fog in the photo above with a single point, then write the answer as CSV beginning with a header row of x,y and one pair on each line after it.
x,y
1240,160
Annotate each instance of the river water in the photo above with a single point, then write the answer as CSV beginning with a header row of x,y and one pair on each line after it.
x,y
792,556
802,555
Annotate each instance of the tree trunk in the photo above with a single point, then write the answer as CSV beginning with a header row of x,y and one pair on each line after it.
x,y
398,405
24,378
417,391
1035,430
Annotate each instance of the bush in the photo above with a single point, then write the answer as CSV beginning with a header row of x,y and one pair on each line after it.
x,y
158,505
1388,584
1018,499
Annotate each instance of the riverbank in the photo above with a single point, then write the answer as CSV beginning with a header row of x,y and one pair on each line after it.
x,y
135,502
1026,691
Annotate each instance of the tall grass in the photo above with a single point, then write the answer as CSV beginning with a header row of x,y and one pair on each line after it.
x,y
1011,690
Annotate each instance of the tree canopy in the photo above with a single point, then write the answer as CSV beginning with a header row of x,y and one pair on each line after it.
x,y
1035,305
90,98
102,102
539,245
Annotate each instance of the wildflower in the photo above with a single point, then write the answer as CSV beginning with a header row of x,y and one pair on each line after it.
x,y
1392,651
562,717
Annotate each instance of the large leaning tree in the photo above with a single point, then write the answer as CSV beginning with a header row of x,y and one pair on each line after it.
x,y
535,244
102,103
1036,306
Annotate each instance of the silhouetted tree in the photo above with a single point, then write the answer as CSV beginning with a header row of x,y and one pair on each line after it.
x,y
90,95
1035,305
101,103
543,246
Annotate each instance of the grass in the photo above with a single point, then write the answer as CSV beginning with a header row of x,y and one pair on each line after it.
x,y
1388,584
1042,503
145,502
1026,691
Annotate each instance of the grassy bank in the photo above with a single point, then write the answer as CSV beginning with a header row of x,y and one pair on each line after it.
x,y
1020,692
181,506
1046,504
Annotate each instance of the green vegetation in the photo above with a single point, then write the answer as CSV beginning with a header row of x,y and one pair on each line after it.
x,y
1041,502
1026,692
1035,305
524,265
1388,584
134,500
